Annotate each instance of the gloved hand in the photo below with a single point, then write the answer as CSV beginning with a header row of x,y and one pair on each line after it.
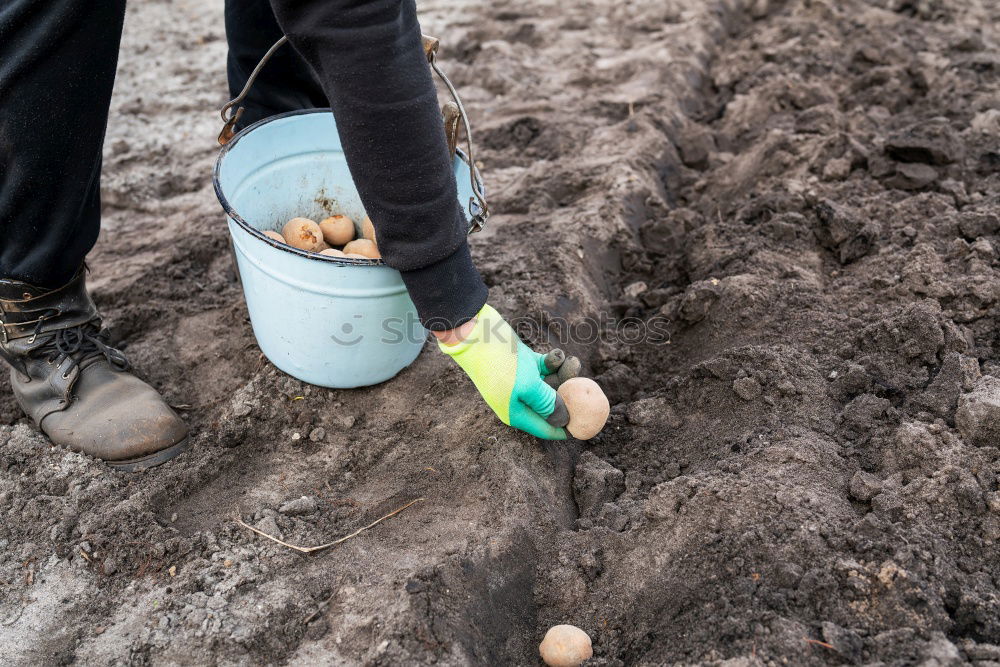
x,y
508,374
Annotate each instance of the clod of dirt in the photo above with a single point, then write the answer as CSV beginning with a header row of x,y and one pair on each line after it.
x,y
933,143
565,646
304,234
837,169
845,642
912,176
978,414
747,388
974,224
362,247
698,300
653,411
696,145
274,235
865,486
337,229
596,482
588,407
844,232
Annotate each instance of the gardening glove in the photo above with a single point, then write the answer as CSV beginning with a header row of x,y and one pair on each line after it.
x,y
508,374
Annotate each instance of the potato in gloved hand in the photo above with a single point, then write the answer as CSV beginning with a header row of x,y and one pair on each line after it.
x,y
508,374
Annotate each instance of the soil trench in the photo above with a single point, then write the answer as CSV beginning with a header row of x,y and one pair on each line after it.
x,y
768,228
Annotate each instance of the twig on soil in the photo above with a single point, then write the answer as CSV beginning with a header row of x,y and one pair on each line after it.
x,y
818,643
309,550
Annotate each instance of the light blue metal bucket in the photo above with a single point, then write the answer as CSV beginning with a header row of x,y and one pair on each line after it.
x,y
330,321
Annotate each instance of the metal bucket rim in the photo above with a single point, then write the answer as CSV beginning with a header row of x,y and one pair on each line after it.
x,y
253,231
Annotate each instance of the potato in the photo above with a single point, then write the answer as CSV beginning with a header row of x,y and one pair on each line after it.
x,y
337,229
367,229
332,252
565,646
356,255
304,234
274,235
588,407
363,247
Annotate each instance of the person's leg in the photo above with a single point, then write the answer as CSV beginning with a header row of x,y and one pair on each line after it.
x,y
286,83
57,69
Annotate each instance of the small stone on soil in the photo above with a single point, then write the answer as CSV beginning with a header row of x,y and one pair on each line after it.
x,y
299,506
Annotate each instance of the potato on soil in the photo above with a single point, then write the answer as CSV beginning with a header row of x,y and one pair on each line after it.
x,y
588,407
565,646
304,234
274,236
337,229
367,229
363,247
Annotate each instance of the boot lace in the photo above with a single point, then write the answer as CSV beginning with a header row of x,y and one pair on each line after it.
x,y
79,344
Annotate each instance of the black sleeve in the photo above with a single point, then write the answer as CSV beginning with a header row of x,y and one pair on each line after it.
x,y
369,58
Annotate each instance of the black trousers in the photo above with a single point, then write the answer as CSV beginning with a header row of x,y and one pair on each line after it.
x,y
361,57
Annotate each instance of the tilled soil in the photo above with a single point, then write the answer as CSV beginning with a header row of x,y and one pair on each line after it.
x,y
783,218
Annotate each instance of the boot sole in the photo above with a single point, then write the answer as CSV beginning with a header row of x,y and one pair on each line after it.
x,y
150,460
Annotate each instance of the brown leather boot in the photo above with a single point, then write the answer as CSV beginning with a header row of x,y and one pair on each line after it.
x,y
75,386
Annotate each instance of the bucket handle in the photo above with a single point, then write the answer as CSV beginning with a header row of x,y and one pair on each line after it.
x,y
478,208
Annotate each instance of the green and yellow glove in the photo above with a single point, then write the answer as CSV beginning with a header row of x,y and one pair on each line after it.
x,y
508,374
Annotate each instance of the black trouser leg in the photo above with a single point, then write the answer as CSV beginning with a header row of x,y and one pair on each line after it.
x,y
286,83
57,69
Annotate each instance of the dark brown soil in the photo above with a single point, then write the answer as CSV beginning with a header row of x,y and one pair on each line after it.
x,y
802,194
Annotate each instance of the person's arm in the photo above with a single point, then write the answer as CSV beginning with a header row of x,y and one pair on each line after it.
x,y
369,57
